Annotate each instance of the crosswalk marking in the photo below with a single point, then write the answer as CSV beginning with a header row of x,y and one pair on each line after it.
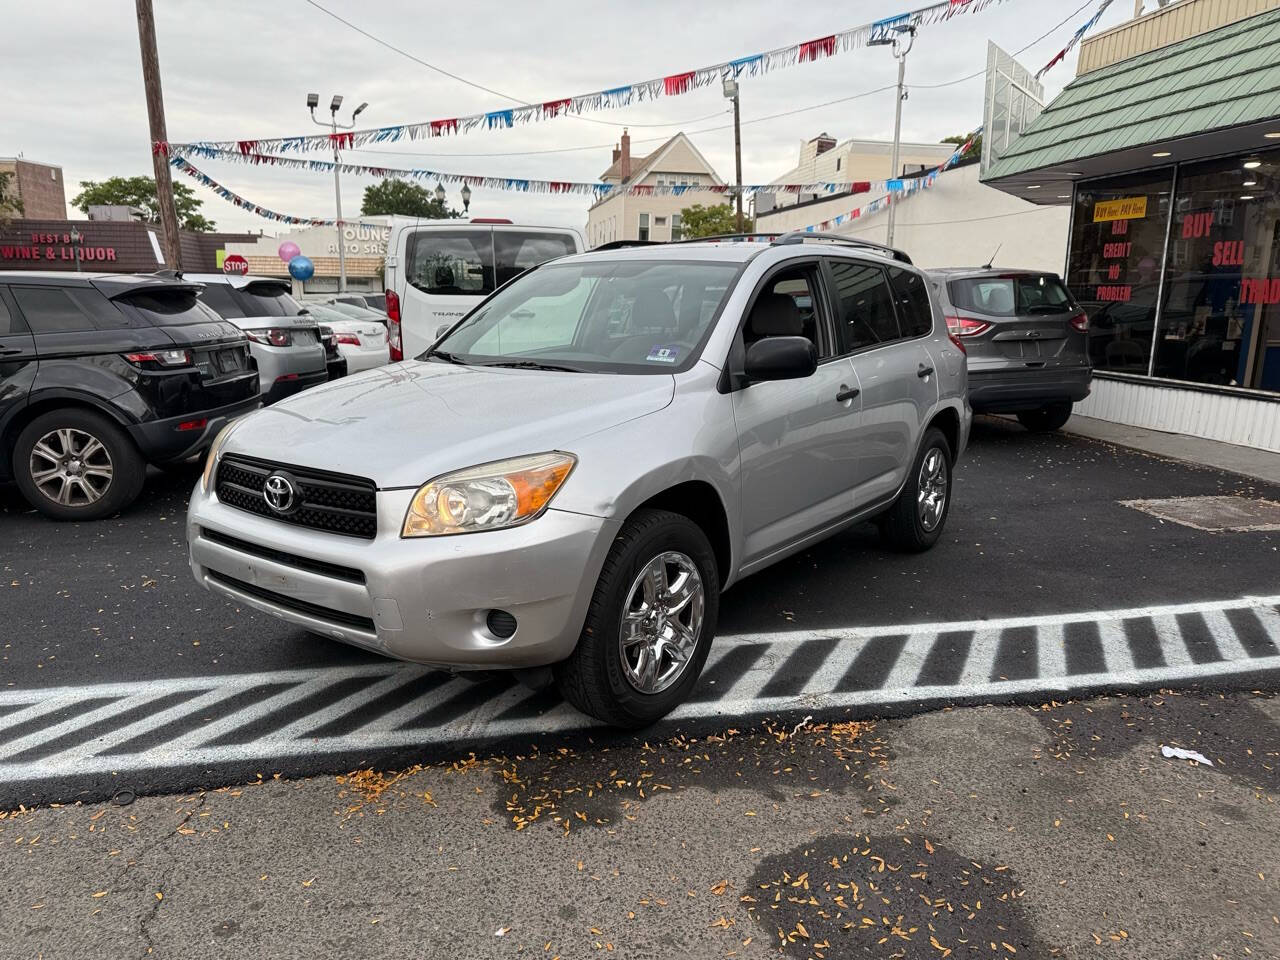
x,y
217,719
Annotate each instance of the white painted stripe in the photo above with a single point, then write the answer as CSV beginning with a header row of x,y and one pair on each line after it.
x,y
1116,653
1051,651
314,721
1172,646
105,712
1224,635
833,669
1270,620
981,659
911,661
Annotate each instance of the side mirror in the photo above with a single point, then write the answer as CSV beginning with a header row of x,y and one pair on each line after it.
x,y
781,358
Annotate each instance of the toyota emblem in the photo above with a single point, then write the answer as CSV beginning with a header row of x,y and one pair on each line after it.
x,y
280,493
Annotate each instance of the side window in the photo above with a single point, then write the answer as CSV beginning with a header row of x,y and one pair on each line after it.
x,y
788,307
866,306
910,292
67,309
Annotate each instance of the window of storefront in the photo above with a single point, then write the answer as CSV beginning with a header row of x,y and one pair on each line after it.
x,y
1220,321
1117,242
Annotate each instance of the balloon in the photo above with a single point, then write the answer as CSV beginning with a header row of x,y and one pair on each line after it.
x,y
288,250
301,268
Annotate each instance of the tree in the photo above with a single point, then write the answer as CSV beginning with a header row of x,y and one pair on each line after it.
x,y
9,206
140,192
700,221
960,139
392,196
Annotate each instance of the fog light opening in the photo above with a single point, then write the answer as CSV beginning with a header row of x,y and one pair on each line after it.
x,y
501,624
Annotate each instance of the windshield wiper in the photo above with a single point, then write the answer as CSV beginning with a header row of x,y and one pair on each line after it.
x,y
446,356
533,365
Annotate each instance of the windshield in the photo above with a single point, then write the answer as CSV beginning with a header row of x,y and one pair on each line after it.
x,y
471,261
1011,296
616,316
167,308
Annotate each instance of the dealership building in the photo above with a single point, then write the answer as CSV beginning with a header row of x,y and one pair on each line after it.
x,y
1166,150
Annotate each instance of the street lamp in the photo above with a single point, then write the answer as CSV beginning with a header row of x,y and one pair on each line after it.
x,y
900,54
466,198
313,101
731,93
440,194
77,238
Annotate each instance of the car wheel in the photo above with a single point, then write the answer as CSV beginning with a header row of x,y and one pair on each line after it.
x,y
1052,416
915,521
650,623
77,465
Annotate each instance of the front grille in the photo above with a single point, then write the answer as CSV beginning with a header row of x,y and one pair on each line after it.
x,y
335,570
339,617
331,502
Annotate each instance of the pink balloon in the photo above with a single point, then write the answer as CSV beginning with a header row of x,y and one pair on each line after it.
x,y
288,250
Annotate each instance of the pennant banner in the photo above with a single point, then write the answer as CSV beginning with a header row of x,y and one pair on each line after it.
x,y
526,185
621,96
1075,38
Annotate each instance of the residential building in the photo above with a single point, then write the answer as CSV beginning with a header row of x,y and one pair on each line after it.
x,y
38,186
957,222
823,160
1165,149
625,216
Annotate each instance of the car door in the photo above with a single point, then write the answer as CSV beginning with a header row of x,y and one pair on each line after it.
x,y
17,360
796,437
878,329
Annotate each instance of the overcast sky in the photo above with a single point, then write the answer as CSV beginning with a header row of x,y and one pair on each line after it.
x,y
242,69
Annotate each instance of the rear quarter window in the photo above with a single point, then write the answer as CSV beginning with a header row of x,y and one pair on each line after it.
x,y
911,296
68,309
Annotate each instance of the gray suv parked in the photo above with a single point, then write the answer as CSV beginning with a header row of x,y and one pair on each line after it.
x,y
1026,339
575,470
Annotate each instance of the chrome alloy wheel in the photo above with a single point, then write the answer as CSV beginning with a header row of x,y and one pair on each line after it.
x,y
661,622
931,497
71,467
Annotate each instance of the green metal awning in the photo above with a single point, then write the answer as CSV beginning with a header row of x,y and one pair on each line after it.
x,y
1183,99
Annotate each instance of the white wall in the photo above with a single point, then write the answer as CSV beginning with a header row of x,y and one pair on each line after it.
x,y
957,222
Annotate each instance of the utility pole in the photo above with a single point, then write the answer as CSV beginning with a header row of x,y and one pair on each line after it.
x,y
155,117
731,92
899,54
313,101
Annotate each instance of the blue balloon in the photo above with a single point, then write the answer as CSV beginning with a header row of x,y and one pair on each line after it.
x,y
301,268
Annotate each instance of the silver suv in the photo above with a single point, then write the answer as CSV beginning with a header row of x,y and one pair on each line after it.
x,y
575,471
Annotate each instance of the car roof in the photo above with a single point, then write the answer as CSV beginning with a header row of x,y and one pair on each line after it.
x,y
234,280
110,284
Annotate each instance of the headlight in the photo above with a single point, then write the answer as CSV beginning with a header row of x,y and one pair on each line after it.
x,y
505,493
214,449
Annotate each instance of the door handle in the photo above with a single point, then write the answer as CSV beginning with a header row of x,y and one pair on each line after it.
x,y
924,371
10,351
846,393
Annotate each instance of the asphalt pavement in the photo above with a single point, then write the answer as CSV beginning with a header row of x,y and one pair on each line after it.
x,y
119,672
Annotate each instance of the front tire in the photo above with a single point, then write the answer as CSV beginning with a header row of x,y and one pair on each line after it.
x,y
1046,419
915,521
650,623
77,465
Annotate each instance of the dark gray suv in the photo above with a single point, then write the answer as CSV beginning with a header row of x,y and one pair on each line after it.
x,y
1026,339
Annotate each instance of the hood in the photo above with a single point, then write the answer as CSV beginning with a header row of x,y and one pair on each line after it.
x,y
403,424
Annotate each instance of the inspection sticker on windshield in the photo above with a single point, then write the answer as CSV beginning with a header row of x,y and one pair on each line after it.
x,y
662,354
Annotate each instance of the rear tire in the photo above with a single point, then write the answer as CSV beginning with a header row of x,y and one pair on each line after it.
x,y
75,464
915,521
650,623
1050,417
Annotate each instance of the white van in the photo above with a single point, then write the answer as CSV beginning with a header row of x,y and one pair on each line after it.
x,y
437,270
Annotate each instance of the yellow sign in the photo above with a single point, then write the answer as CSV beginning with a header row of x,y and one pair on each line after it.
x,y
1126,208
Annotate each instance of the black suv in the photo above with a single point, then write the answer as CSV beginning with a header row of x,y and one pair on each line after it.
x,y
102,374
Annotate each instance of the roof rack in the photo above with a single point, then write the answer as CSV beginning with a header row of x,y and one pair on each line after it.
x,y
749,237
623,244
799,236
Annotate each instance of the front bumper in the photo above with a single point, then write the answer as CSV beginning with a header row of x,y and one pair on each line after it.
x,y
160,441
425,600
1011,391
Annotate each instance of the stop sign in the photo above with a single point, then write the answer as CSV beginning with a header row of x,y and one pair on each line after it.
x,y
235,264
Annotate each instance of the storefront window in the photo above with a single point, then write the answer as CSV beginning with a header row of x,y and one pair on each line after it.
x,y
1221,318
1117,240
